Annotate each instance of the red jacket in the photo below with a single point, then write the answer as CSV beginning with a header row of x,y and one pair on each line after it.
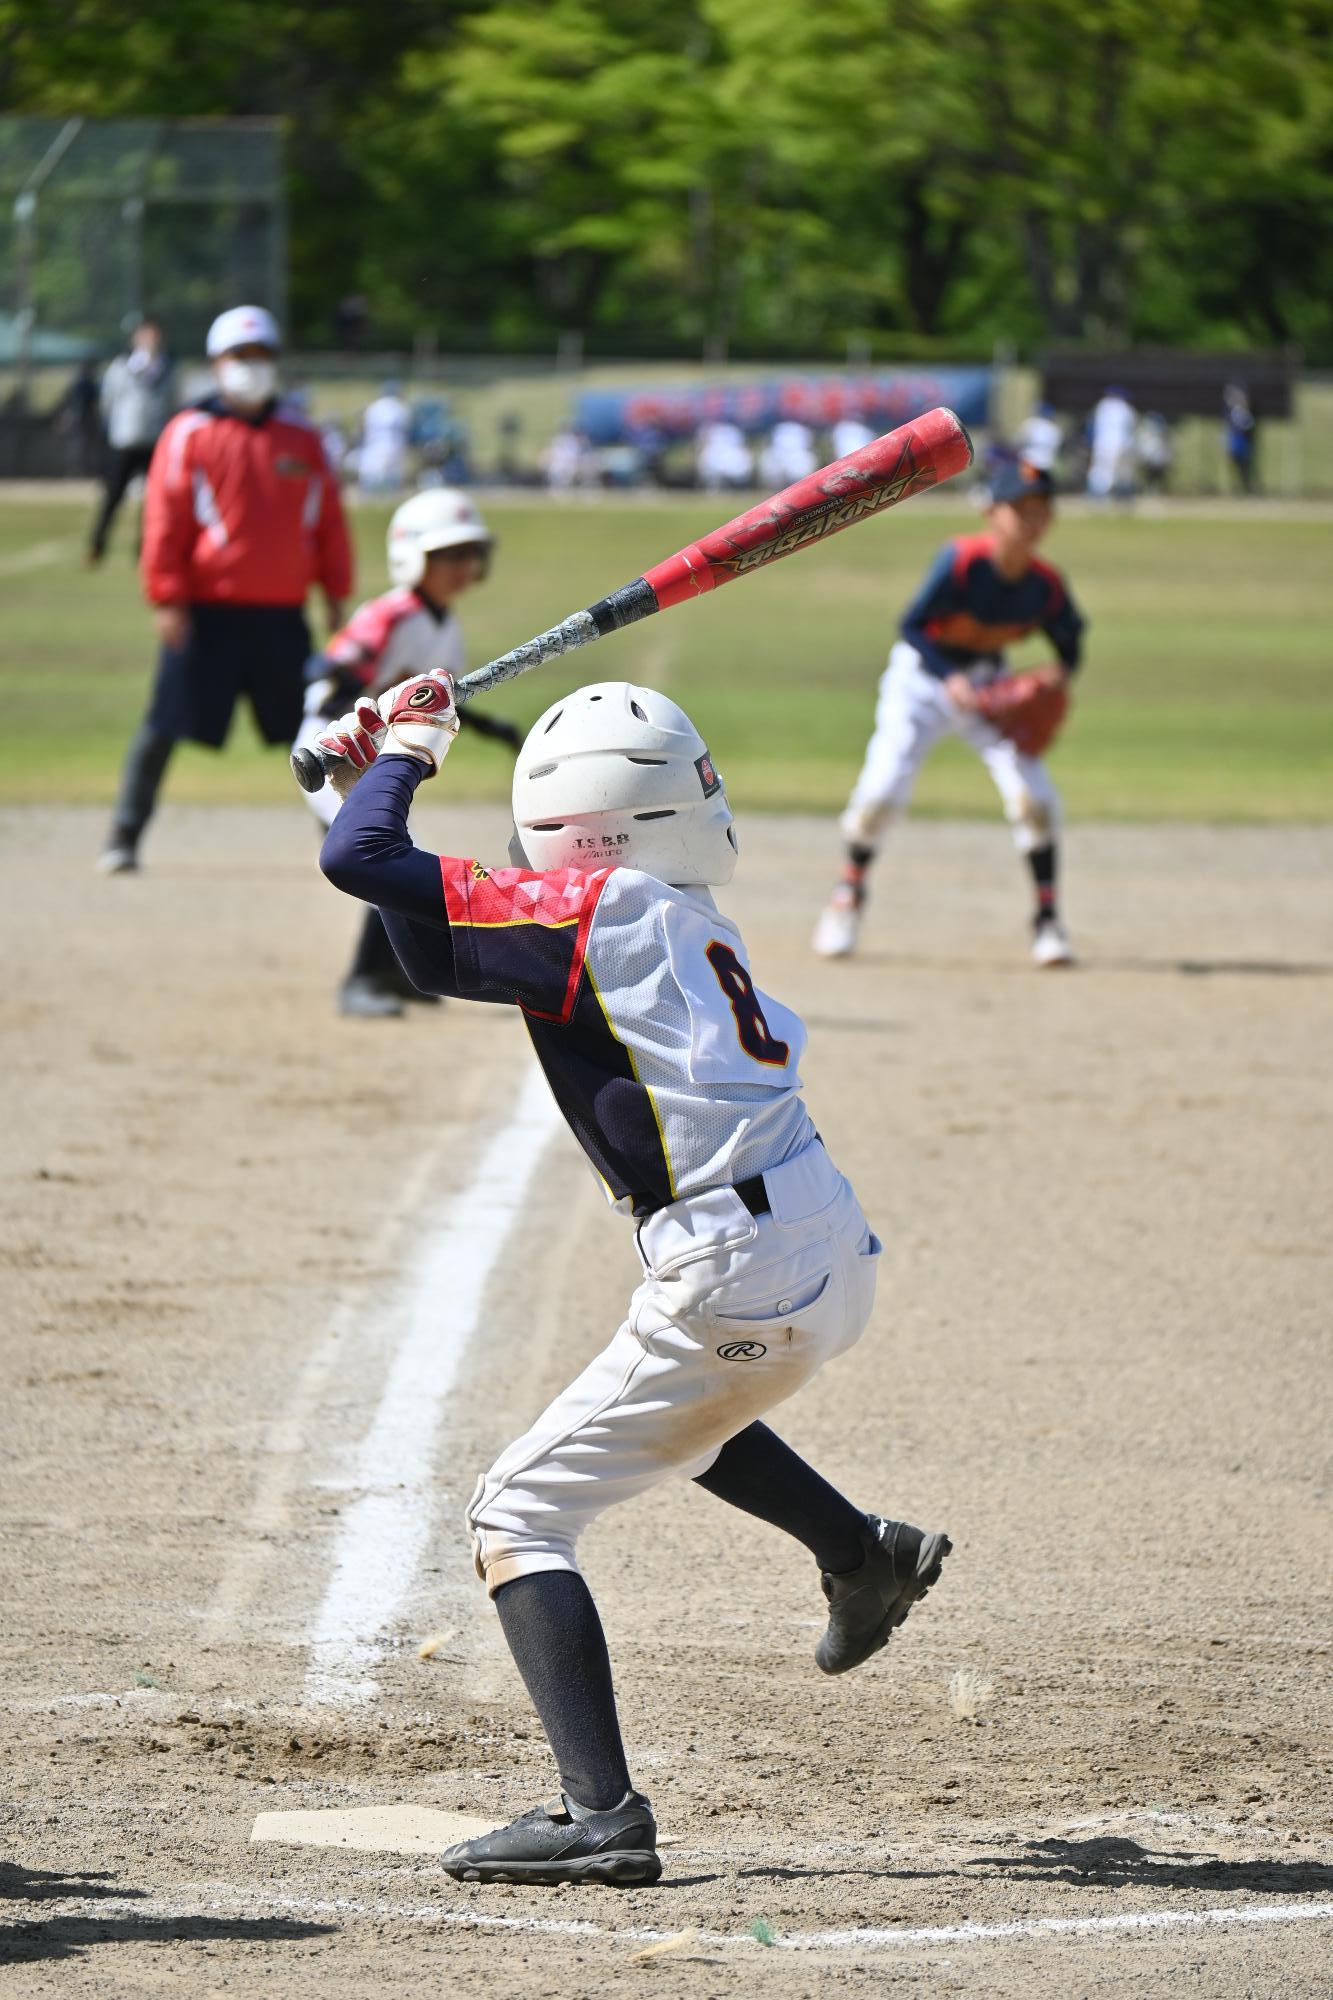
x,y
241,511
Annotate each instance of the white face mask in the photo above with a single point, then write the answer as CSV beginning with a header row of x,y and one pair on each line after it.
x,y
248,382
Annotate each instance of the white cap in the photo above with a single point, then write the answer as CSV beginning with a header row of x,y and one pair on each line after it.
x,y
239,327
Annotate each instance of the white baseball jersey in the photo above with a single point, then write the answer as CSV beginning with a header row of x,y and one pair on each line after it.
x,y
395,635
673,1070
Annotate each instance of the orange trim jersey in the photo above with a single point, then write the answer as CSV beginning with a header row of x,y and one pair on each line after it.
x,y
966,613
674,1072
242,510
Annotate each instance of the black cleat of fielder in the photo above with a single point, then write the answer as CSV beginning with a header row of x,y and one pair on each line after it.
x,y
563,1841
866,1605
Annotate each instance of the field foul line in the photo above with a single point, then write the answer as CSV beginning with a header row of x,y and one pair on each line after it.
x,y
383,1533
287,1438
175,1911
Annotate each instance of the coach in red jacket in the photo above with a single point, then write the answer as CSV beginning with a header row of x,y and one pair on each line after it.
x,y
241,517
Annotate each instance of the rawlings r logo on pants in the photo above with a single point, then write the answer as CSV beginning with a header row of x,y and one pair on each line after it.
x,y
742,1350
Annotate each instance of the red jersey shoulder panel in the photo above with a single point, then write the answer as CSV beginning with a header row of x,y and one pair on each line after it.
x,y
967,549
508,899
362,640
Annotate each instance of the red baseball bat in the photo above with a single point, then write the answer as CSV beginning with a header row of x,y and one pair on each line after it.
x,y
919,454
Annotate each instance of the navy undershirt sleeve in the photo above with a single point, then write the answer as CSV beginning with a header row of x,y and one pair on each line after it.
x,y
937,595
368,853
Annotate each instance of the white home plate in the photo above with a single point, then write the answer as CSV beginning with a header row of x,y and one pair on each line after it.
x,y
371,1829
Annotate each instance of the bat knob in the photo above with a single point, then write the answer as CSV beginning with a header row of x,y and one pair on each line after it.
x,y
308,771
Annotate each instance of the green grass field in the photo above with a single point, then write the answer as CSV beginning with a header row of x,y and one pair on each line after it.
x,y
1207,693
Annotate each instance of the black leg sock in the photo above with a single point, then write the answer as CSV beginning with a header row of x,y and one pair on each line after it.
x,y
855,869
761,1475
552,1629
1043,861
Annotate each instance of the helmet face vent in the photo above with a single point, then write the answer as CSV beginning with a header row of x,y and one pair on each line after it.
x,y
548,826
670,813
551,724
594,697
635,709
542,770
659,761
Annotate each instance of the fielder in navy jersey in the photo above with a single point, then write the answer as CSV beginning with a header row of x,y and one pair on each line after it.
x,y
680,1080
982,594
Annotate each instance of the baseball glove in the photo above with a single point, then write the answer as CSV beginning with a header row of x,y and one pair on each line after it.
x,y
1027,708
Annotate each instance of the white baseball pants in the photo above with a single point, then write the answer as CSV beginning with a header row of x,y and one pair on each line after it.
x,y
734,1314
912,714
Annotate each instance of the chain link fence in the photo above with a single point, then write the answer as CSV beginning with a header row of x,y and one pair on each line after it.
x,y
104,220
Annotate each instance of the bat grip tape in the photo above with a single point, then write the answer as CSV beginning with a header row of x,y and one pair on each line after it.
x,y
624,606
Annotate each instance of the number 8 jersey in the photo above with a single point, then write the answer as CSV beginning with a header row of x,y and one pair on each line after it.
x,y
674,1071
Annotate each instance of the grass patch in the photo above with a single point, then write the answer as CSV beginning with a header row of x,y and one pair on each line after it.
x,y
1206,693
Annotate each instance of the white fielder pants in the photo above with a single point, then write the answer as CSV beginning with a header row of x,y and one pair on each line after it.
x,y
734,1314
912,714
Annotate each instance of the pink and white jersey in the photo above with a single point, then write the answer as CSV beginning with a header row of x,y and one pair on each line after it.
x,y
674,1071
395,635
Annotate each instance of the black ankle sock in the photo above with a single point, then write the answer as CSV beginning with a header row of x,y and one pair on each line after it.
x,y
1043,861
552,1629
761,1475
855,869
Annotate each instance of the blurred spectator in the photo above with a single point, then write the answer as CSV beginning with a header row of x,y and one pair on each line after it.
x,y
440,441
242,516
351,320
1039,438
1239,436
722,458
789,454
386,427
568,463
1111,472
507,467
135,402
849,434
1154,450
78,422
621,466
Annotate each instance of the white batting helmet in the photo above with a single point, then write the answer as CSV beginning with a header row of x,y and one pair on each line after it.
x,y
619,774
439,518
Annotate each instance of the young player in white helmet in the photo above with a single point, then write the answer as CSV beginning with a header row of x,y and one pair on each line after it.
x,y
679,1079
438,546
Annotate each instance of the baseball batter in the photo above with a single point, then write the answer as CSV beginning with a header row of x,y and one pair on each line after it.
x,y
982,593
680,1080
438,547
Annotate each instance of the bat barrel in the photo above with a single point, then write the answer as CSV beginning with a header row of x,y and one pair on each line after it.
x,y
881,474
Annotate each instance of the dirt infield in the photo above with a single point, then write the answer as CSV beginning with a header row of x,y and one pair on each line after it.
x,y
1099,1358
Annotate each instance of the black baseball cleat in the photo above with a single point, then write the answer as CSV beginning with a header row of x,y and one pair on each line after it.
x,y
563,1841
866,1605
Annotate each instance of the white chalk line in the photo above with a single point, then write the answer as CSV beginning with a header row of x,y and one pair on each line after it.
x,y
383,1533
288,1437
186,1905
